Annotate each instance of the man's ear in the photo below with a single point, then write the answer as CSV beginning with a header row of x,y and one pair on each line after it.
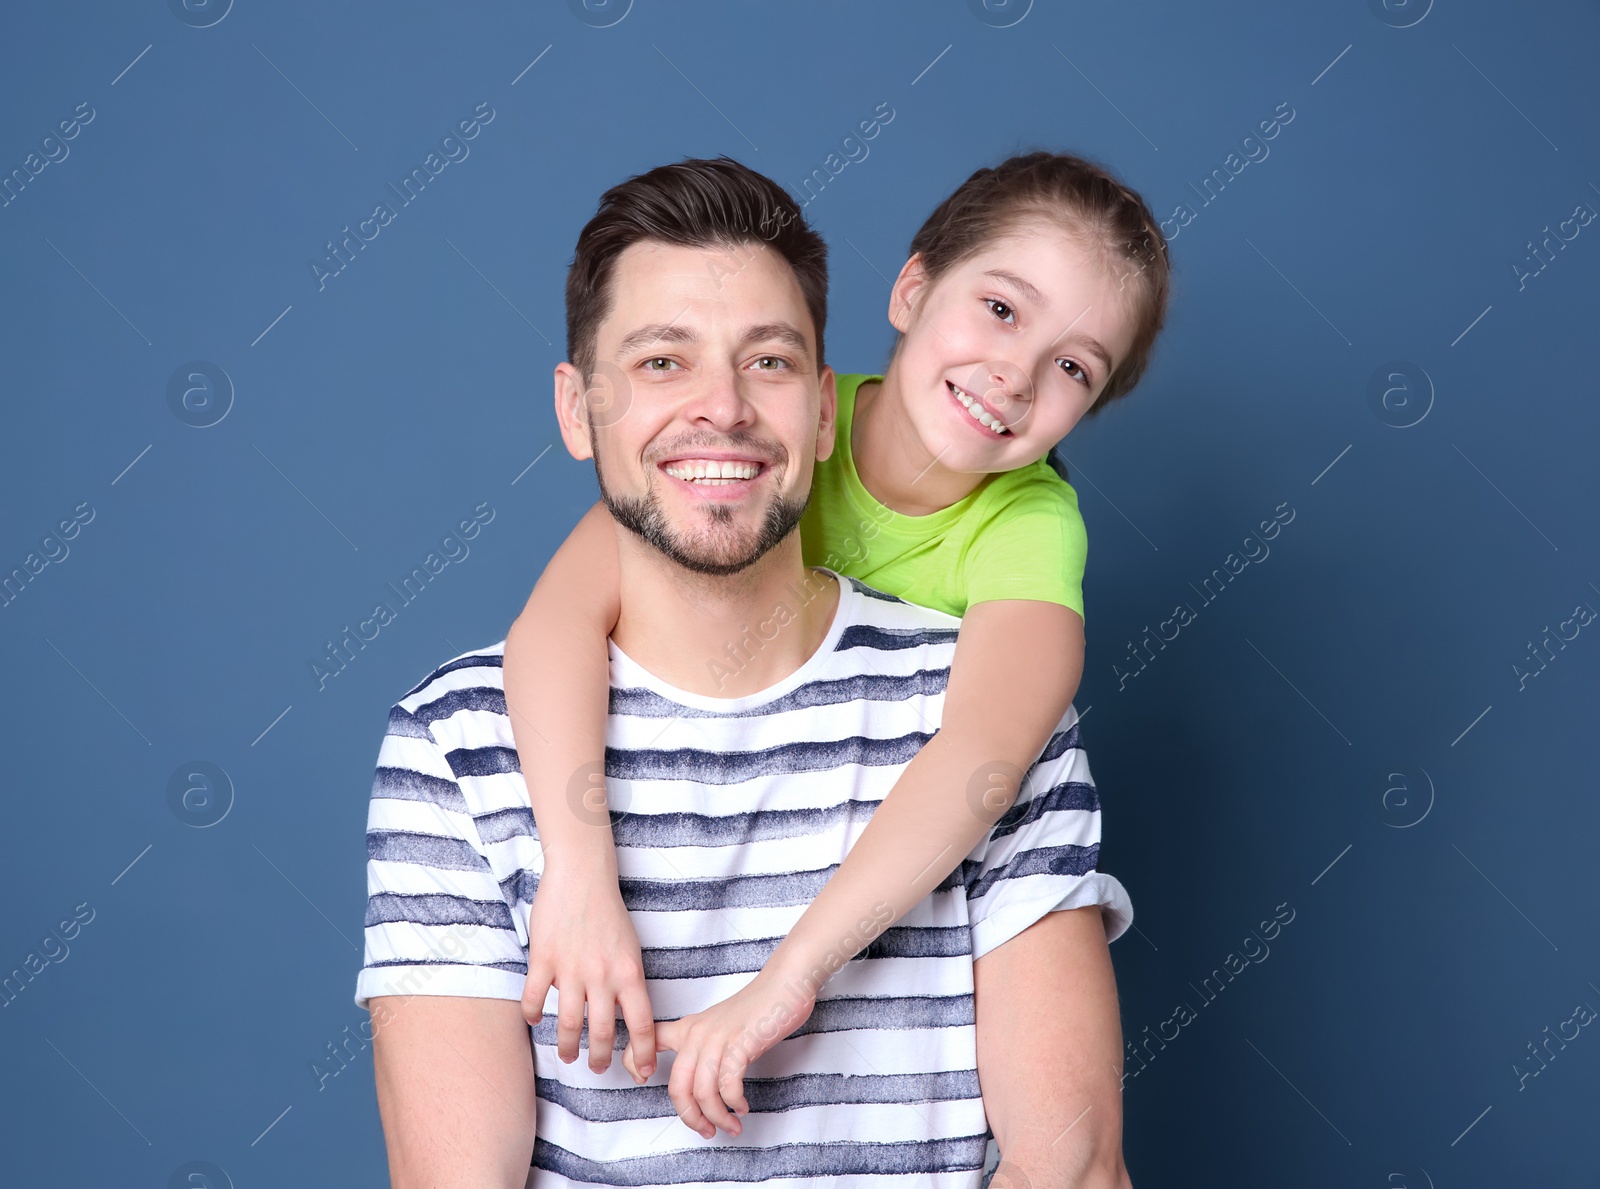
x,y
906,292
572,412
829,413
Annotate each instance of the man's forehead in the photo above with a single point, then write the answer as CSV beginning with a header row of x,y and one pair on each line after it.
x,y
702,291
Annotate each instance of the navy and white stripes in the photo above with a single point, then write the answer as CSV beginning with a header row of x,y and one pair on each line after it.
x,y
735,812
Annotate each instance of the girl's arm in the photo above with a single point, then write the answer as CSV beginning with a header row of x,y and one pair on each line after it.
x,y
557,684
1017,666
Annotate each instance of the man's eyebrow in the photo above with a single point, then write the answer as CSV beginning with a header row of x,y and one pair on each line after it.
x,y
656,332
1021,286
783,332
667,332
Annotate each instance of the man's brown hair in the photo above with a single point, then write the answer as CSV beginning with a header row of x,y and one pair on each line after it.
x,y
696,202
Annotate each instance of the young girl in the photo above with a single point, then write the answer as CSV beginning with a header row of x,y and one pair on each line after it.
x,y
1031,299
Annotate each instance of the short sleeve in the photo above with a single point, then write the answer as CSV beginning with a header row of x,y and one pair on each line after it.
x,y
1033,546
437,922
1040,856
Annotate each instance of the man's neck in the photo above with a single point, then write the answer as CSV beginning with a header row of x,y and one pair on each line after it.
x,y
722,637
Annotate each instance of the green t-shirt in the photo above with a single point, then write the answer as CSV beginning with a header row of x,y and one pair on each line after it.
x,y
1018,535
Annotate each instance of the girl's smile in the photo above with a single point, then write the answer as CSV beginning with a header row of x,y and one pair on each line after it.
x,y
978,413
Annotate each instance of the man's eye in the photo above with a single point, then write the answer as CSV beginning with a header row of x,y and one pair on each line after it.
x,y
650,364
773,360
1001,310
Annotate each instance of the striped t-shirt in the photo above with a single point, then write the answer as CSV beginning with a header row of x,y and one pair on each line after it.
x,y
729,815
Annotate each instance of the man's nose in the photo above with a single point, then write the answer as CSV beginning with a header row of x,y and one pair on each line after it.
x,y
719,400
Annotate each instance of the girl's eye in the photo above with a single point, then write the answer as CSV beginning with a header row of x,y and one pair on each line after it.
x,y
1080,375
1001,310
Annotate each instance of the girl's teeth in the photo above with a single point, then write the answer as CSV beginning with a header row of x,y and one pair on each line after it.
x,y
980,414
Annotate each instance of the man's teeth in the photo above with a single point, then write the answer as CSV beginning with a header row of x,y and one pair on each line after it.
x,y
979,413
712,471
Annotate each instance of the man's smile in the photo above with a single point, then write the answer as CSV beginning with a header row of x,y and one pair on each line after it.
x,y
730,475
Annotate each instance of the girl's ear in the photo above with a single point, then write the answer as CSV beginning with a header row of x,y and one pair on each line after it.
x,y
906,292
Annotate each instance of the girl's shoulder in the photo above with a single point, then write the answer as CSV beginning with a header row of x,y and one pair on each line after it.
x,y
1035,489
1026,541
847,384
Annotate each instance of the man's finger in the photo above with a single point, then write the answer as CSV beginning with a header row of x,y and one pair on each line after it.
x,y
602,1030
641,1030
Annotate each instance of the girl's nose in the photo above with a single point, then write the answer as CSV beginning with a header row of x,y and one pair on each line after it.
x,y
1002,385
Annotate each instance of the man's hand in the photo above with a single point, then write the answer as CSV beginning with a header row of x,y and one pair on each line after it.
x,y
582,941
715,1047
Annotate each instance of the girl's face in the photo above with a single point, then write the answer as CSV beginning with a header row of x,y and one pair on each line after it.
x,y
1008,349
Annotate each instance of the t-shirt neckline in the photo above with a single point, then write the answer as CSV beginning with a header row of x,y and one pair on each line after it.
x,y
627,673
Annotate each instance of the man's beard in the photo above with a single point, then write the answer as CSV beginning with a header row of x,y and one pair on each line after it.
x,y
709,555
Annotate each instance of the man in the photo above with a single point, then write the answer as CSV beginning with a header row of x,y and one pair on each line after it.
x,y
990,1006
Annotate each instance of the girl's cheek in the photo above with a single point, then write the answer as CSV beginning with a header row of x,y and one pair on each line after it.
x,y
971,339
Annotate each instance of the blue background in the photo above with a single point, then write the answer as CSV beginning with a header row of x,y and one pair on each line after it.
x,y
1435,932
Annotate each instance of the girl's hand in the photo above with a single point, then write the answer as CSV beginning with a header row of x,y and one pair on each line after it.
x,y
582,941
715,1047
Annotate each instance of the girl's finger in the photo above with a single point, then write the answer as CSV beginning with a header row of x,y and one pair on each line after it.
x,y
730,1083
569,1021
641,1030
534,993
669,1035
708,1096
602,1029
680,1089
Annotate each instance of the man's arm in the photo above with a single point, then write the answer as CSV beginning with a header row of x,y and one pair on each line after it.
x,y
455,1090
443,965
1050,1055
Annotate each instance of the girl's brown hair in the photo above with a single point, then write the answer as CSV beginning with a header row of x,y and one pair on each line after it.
x,y
1088,200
